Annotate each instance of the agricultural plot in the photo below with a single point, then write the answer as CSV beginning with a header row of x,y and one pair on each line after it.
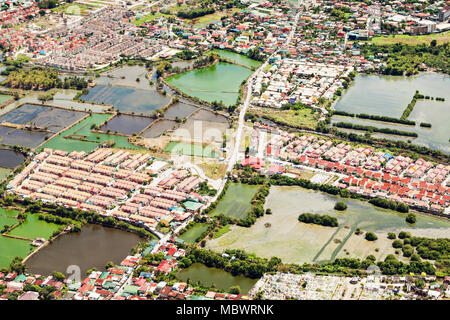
x,y
237,201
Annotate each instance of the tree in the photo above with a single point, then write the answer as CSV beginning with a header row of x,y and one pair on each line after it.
x,y
397,244
411,218
341,206
370,236
404,234
16,265
58,276
235,290
109,264
391,236
268,211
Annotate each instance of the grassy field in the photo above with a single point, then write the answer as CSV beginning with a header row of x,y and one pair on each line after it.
x,y
303,118
76,9
211,18
193,233
150,17
236,201
413,40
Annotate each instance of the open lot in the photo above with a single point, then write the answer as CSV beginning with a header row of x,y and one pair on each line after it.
x,y
413,40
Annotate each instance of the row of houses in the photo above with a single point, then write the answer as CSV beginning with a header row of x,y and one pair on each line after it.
x,y
418,183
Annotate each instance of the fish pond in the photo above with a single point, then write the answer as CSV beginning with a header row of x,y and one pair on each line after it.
x,y
179,110
10,158
281,234
389,96
158,128
221,279
219,82
126,124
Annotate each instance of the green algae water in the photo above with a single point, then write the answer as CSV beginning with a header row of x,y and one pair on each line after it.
x,y
11,248
219,82
238,58
33,228
220,278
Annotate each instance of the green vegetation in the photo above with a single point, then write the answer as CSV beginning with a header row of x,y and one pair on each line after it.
x,y
403,59
391,236
389,204
239,262
42,79
303,118
206,190
221,231
411,218
323,220
341,206
257,208
370,236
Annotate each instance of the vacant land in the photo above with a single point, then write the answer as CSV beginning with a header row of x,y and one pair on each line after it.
x,y
182,148
150,17
413,40
213,170
303,118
